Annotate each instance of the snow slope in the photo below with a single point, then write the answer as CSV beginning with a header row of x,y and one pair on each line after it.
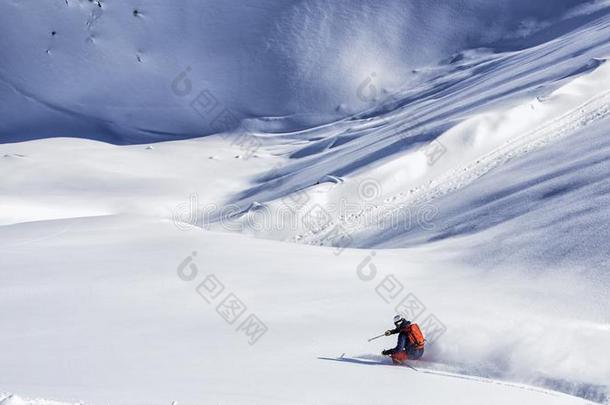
x,y
16,400
104,69
484,112
469,172
99,313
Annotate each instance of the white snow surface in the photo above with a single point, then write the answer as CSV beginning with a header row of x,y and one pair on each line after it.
x,y
457,151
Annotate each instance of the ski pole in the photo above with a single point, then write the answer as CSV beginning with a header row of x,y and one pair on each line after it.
x,y
377,337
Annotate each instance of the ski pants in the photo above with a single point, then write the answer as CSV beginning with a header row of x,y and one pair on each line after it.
x,y
401,346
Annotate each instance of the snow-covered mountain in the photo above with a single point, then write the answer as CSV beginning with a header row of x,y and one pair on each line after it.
x,y
219,202
102,69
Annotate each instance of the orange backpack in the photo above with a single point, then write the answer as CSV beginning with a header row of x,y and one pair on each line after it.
x,y
415,336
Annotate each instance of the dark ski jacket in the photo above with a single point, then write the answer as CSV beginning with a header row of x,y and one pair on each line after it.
x,y
401,327
403,342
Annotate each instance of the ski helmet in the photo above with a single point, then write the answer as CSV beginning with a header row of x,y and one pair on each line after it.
x,y
398,319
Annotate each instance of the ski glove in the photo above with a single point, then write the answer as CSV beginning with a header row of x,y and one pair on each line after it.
x,y
388,332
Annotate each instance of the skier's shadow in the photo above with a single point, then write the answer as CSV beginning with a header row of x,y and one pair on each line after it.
x,y
354,361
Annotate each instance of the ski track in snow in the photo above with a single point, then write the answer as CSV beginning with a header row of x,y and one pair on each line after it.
x,y
593,395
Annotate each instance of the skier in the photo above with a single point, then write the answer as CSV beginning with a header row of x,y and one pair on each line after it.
x,y
410,344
